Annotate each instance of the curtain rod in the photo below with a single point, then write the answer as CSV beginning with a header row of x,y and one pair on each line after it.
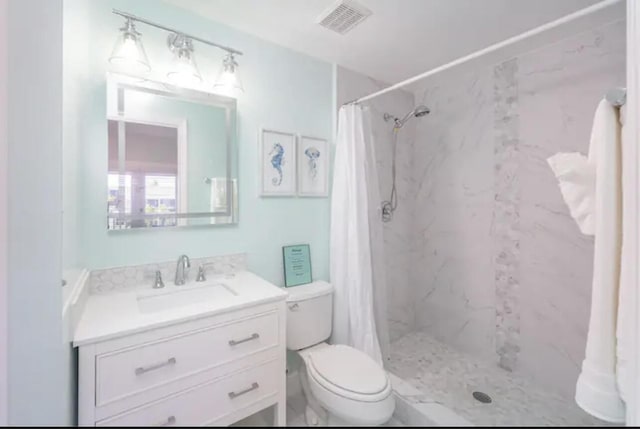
x,y
567,18
132,17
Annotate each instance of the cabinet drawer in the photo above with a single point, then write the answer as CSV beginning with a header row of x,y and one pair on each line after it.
x,y
127,372
205,403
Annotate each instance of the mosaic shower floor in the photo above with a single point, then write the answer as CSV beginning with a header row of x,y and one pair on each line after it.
x,y
450,377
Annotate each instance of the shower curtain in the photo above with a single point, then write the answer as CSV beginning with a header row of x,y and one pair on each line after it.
x,y
357,273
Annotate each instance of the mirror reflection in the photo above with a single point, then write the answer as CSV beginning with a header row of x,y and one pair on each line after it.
x,y
171,158
149,183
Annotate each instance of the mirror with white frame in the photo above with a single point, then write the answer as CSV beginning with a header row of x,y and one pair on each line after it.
x,y
172,156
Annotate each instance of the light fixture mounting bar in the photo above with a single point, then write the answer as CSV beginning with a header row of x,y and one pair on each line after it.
x,y
163,27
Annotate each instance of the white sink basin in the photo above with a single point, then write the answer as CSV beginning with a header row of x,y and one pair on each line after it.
x,y
179,297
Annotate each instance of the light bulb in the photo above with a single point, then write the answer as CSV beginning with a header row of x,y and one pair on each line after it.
x,y
128,54
129,49
228,81
184,70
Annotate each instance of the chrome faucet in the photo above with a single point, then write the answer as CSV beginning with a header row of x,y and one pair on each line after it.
x,y
158,283
181,270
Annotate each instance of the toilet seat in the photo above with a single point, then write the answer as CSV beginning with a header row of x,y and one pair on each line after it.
x,y
348,373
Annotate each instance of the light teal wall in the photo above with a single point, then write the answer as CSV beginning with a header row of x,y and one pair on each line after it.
x,y
207,153
283,90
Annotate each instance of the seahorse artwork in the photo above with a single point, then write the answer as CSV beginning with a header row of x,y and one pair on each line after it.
x,y
277,161
313,154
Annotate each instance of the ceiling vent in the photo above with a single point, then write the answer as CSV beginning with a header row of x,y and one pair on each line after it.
x,y
344,16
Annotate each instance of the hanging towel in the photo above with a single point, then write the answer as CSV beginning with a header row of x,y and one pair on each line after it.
x,y
592,188
219,200
576,176
626,308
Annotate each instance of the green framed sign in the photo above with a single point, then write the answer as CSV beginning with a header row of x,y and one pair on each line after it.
x,y
297,265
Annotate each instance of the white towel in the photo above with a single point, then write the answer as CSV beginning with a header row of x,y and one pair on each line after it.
x,y
219,200
592,188
626,308
577,179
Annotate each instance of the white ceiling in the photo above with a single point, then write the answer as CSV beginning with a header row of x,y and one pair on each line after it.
x,y
401,39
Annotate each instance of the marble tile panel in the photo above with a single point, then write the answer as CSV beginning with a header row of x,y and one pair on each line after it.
x,y
452,265
506,212
559,89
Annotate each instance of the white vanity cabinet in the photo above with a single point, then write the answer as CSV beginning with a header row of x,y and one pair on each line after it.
x,y
210,370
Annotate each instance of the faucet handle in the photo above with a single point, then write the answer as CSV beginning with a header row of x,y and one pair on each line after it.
x,y
186,261
158,283
201,276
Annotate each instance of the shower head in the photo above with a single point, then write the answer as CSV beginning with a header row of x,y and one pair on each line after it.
x,y
418,112
421,111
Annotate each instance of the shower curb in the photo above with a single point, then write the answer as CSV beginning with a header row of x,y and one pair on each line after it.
x,y
415,408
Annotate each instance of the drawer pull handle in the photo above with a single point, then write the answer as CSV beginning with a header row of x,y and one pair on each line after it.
x,y
234,395
171,420
252,337
144,369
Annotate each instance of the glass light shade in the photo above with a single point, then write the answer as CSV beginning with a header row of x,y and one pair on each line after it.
x,y
184,70
229,80
128,53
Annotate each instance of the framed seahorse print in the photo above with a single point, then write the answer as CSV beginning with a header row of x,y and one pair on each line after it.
x,y
313,167
277,157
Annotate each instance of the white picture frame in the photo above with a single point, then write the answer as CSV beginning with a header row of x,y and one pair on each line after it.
x,y
314,157
277,159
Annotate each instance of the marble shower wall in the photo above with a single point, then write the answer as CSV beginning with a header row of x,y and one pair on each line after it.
x,y
499,268
559,91
397,234
452,258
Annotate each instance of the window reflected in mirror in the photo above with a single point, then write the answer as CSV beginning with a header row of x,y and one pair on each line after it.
x,y
144,183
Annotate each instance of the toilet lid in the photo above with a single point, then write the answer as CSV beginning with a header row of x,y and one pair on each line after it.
x,y
349,369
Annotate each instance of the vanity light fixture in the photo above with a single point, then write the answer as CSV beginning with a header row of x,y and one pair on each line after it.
x,y
184,70
228,79
130,55
128,51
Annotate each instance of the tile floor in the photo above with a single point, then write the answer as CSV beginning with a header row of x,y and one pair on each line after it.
x,y
295,413
295,410
449,378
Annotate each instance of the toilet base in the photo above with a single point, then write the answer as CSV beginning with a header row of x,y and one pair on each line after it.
x,y
312,419
315,414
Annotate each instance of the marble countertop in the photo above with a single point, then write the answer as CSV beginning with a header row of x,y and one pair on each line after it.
x,y
108,316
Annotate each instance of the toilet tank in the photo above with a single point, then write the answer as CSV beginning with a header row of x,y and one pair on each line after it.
x,y
309,314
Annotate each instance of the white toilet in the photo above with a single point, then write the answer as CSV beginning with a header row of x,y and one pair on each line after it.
x,y
342,385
